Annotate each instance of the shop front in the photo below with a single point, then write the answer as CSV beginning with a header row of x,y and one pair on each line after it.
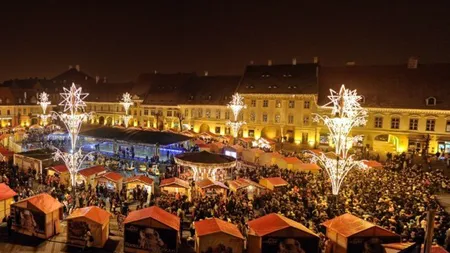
x,y
92,219
218,235
140,182
113,181
6,199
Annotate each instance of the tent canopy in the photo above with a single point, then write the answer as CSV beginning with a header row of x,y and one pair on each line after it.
x,y
214,225
349,225
6,192
208,183
205,159
157,214
174,182
93,213
276,181
112,176
135,135
292,160
140,178
43,202
92,170
60,168
273,222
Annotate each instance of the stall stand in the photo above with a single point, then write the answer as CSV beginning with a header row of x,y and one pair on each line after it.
x,y
273,183
6,155
218,235
269,158
204,147
242,184
62,172
37,216
410,247
372,164
34,159
210,187
291,163
6,199
217,147
309,167
175,185
91,218
141,181
348,233
88,175
273,232
112,180
4,139
151,230
252,155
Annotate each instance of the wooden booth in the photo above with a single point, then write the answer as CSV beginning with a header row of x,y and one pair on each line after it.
x,y
141,181
290,163
88,176
252,155
219,235
410,247
37,216
210,187
34,159
113,181
6,199
175,186
61,171
243,184
348,233
6,155
309,167
273,183
151,230
372,164
274,232
217,147
91,218
269,158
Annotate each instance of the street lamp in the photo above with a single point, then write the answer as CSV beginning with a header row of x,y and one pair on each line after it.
x,y
44,103
346,113
236,105
126,102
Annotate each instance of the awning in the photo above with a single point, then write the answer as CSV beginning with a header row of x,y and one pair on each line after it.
x,y
93,213
140,178
273,222
155,213
43,202
174,182
6,192
214,225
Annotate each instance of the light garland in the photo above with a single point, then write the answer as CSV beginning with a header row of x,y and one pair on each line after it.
x,y
346,114
235,126
126,120
236,105
126,102
44,103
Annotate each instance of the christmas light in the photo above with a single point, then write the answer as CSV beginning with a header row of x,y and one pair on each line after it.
x,y
235,126
126,102
236,105
44,103
346,113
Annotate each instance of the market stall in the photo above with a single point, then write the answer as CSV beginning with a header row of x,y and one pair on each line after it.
x,y
348,233
269,158
91,218
410,247
6,199
34,159
242,184
37,216
219,235
217,147
308,167
274,232
210,187
88,175
205,164
372,164
151,230
273,183
112,180
140,181
291,163
252,155
6,155
175,185
61,171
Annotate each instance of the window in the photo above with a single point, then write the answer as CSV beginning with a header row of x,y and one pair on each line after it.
x,y
227,130
153,112
169,113
264,117
252,116
395,123
251,133
447,127
378,122
200,113
208,113
430,125
217,130
277,118
265,103
24,111
193,113
413,124
306,105
291,104
8,112
186,112
291,119
218,114
227,115
7,101
278,104
20,101
431,101
253,103
306,120
145,112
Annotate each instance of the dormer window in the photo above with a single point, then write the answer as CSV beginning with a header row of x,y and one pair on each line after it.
x,y
287,75
270,87
191,97
209,97
20,101
431,101
274,86
265,75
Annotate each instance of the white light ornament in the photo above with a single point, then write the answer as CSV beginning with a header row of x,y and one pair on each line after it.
x,y
235,126
236,105
126,102
44,102
346,113
73,162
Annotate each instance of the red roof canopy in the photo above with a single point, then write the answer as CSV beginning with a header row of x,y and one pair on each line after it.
x,y
92,170
208,183
157,214
276,181
140,178
174,181
214,225
6,192
42,202
292,159
60,168
93,213
5,152
274,222
112,176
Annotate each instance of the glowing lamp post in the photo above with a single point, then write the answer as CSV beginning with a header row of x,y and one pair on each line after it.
x,y
126,102
236,105
44,103
346,113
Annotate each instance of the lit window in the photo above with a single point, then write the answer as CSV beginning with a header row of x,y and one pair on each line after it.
x,y
265,103
8,112
186,112
306,120
278,103
208,113
252,116
264,117
447,127
251,133
217,130
145,112
413,124
218,114
430,125
277,118
169,113
306,105
378,122
291,119
227,115
431,101
227,130
193,113
200,113
291,104
253,103
395,123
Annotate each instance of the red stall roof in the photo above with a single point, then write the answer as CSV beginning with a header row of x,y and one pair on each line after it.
x,y
276,181
274,222
42,202
140,178
174,181
93,213
292,159
6,192
214,225
112,176
157,214
4,151
208,183
60,168
92,170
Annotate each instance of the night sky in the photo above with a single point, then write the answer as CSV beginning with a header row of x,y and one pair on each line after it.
x,y
121,40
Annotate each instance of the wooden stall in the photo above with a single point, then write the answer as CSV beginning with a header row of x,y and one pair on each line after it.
x,y
243,184
252,155
219,235
210,187
112,180
37,216
34,159
62,172
217,147
175,185
6,155
291,163
89,175
141,181
273,183
273,232
371,164
348,233
151,230
309,167
6,199
269,158
410,247
91,218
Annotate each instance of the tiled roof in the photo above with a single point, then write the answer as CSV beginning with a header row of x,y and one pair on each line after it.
x,y
93,213
210,90
97,92
276,181
60,168
112,176
279,79
157,214
73,75
92,170
273,222
162,89
6,192
174,181
42,202
214,225
140,178
208,183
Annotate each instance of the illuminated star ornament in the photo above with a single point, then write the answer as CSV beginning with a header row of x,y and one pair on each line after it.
x,y
73,99
236,105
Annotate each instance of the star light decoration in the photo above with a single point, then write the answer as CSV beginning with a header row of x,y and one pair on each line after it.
x,y
44,103
72,116
346,113
126,102
236,105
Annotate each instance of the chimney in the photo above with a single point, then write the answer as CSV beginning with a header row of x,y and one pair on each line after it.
x,y
252,62
316,59
70,67
97,79
294,61
77,67
156,71
413,62
206,73
350,63
104,79
269,63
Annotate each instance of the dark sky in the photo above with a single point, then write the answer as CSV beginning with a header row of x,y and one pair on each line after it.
x,y
120,40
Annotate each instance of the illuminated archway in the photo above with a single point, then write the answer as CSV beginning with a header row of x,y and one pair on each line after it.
x,y
270,132
204,128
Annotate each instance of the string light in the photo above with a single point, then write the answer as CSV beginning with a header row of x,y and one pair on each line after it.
x,y
44,102
235,126
236,105
346,113
126,102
